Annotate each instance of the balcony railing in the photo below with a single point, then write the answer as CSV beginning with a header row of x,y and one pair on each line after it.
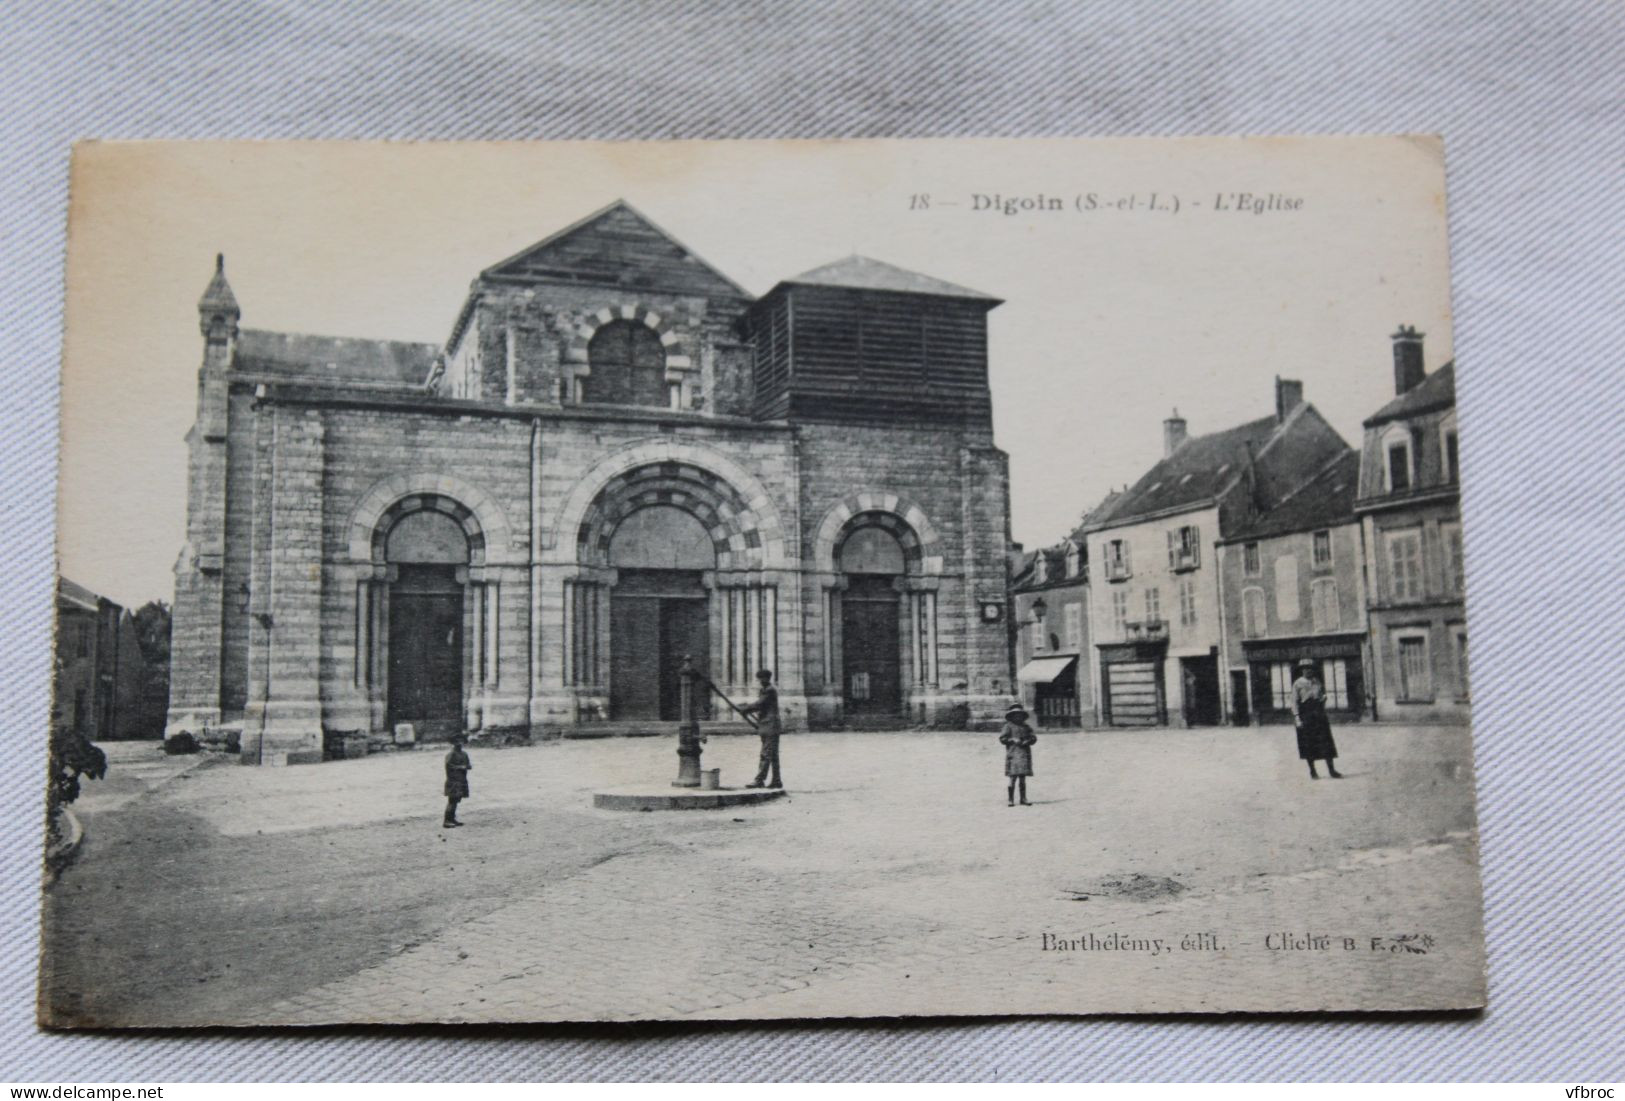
x,y
1117,571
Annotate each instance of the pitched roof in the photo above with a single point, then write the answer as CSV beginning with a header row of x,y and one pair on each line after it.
x,y
617,246
1197,470
1433,392
1093,516
335,358
1325,500
862,273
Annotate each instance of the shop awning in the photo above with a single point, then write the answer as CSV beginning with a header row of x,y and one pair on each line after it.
x,y
1045,670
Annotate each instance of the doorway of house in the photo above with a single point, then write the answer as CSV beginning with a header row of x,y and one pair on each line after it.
x,y
659,612
1201,685
1240,712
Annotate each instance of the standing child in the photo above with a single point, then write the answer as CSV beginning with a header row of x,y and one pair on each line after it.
x,y
1315,742
1017,738
457,766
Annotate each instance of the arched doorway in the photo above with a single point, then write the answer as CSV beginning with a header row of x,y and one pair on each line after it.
x,y
425,549
871,560
659,609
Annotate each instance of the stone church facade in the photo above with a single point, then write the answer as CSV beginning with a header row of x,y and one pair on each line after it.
x,y
619,458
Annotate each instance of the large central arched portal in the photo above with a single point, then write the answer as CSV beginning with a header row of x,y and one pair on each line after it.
x,y
659,609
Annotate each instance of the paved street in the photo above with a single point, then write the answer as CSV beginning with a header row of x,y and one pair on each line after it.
x,y
892,880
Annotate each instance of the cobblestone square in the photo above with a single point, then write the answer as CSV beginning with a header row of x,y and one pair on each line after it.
x,y
1158,870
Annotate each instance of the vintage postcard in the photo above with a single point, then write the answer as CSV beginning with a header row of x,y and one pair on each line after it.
x,y
753,580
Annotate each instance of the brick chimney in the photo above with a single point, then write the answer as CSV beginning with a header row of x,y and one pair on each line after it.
x,y
1173,434
1408,369
1288,396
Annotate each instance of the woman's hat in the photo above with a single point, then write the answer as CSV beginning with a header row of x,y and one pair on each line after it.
x,y
1016,710
1306,663
459,738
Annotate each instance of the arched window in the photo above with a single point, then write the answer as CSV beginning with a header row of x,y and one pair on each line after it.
x,y
628,366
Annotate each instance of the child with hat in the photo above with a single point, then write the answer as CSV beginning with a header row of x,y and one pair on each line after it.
x,y
457,766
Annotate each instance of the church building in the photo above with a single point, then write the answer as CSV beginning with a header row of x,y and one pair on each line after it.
x,y
618,459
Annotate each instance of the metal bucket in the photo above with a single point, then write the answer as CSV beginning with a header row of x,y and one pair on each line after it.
x,y
710,779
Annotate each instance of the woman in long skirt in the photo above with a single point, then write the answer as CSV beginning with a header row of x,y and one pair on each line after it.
x,y
457,766
1314,731
1017,738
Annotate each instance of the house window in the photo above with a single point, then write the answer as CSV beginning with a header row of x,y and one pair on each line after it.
x,y
1120,611
1323,605
1249,560
1399,468
1072,558
1038,634
1252,613
1335,674
1074,626
1118,562
1452,461
1184,548
1187,602
1415,675
1462,681
1153,605
1455,576
1281,685
1322,556
628,366
1287,607
82,635
1405,565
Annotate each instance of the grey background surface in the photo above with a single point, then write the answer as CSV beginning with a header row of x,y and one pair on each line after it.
x,y
1531,101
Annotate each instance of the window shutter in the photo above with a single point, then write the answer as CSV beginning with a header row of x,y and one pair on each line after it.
x,y
1196,545
1173,549
1128,559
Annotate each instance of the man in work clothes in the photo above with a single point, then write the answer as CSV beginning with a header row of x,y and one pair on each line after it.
x,y
766,710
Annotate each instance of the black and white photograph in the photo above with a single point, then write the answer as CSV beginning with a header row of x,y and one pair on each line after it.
x,y
752,580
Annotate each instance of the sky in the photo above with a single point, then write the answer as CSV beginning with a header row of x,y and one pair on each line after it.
x,y
1117,307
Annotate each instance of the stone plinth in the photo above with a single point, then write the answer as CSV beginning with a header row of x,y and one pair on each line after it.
x,y
674,798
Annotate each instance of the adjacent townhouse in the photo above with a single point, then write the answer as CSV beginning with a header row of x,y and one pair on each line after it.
x,y
1409,511
1292,581
1155,624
